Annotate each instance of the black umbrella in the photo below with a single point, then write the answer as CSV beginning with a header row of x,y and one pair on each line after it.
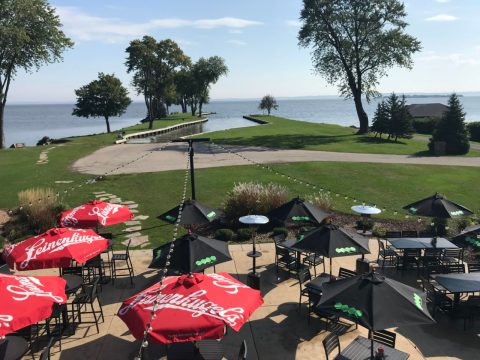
x,y
299,211
437,206
468,237
375,302
193,213
332,241
192,253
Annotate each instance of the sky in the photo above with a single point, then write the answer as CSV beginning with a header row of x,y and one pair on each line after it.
x,y
257,39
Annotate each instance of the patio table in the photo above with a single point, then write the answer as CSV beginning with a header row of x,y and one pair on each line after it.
x,y
458,284
421,243
13,348
359,349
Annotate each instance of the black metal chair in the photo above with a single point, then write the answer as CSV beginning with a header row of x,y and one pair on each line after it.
x,y
452,256
386,254
242,354
473,267
330,343
45,354
284,259
313,260
30,334
277,239
437,299
383,337
57,316
393,234
431,257
122,257
409,234
455,268
304,276
87,297
408,258
345,273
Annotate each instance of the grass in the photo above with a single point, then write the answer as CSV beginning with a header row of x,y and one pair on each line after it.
x,y
291,134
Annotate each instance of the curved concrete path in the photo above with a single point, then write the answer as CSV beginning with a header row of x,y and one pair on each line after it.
x,y
173,157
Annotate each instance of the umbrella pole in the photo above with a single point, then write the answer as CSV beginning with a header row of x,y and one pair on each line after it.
x,y
371,347
330,267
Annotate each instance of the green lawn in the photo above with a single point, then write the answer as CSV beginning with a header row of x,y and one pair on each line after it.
x,y
291,134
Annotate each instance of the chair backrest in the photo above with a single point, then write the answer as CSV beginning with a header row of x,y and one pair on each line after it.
x,y
473,267
304,275
455,268
242,354
433,253
74,270
281,251
279,238
45,355
345,273
410,233
330,343
453,253
436,269
383,337
92,290
381,245
127,251
411,252
393,234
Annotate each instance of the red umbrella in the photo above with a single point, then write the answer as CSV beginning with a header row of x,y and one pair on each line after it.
x,y
191,307
95,213
26,300
55,248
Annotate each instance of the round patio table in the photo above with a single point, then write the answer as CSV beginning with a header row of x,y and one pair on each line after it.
x,y
366,211
13,348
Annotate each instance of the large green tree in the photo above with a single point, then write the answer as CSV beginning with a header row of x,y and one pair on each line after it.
x,y
355,42
105,97
30,36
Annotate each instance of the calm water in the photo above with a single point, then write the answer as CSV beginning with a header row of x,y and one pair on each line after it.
x,y
29,123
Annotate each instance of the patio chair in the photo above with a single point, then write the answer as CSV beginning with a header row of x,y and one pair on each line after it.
x,y
408,258
122,257
242,354
45,354
87,297
437,299
393,234
58,312
465,311
277,239
30,334
330,343
304,276
383,337
94,268
455,268
473,267
345,273
431,257
452,256
409,234
284,259
313,260
386,254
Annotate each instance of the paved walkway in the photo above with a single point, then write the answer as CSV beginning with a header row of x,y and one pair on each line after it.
x,y
206,156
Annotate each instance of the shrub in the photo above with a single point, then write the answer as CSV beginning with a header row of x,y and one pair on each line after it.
x,y
253,198
224,234
244,234
474,130
39,209
280,231
379,231
425,125
322,200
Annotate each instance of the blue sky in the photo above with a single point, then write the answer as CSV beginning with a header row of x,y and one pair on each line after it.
x,y
258,41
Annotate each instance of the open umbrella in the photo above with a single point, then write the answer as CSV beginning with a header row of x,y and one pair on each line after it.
x,y
193,213
332,241
192,253
437,206
55,248
470,236
26,300
190,307
299,211
375,302
95,213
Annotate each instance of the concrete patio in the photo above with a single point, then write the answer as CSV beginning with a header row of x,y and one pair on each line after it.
x,y
275,331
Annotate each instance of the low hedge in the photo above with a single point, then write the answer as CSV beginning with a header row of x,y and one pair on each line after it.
x,y
424,125
474,130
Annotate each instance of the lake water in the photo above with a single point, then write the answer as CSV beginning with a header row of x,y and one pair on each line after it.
x,y
29,123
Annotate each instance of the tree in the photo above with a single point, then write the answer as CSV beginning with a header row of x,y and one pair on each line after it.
x,y
451,129
30,37
355,42
381,119
105,97
268,103
207,72
400,124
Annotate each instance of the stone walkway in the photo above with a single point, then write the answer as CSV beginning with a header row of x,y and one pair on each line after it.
x,y
43,157
206,156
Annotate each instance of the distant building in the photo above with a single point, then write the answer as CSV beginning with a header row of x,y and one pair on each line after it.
x,y
435,110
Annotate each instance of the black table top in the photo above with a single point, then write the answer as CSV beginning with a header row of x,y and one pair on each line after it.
x,y
74,282
359,349
203,349
13,348
421,243
459,283
316,284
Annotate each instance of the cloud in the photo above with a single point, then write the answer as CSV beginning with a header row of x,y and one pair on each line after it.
x,y
293,23
442,17
458,59
237,42
442,1
85,27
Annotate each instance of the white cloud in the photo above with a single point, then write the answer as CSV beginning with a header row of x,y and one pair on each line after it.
x,y
293,23
457,59
442,17
237,42
442,1
84,27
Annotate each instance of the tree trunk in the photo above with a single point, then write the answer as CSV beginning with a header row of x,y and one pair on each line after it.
x,y
108,124
362,115
150,114
268,111
2,139
200,109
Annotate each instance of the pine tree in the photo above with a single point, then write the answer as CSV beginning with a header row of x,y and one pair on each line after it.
x,y
451,129
401,121
381,119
